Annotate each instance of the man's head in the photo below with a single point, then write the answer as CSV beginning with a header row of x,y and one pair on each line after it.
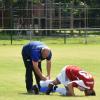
x,y
90,93
45,52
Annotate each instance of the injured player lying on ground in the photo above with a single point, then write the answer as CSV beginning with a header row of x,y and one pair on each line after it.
x,y
71,77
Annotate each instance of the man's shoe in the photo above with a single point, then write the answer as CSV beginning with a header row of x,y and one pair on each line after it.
x,y
35,88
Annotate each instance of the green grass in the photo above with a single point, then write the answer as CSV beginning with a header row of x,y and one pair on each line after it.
x,y
12,84
91,39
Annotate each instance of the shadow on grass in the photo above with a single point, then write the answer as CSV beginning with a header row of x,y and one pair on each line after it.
x,y
25,93
51,95
73,96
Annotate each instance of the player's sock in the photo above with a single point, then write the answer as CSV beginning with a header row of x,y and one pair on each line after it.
x,y
45,83
43,89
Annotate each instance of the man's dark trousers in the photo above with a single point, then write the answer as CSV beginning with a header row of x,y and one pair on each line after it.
x,y
29,68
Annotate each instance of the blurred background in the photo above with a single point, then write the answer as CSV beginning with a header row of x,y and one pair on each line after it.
x,y
74,21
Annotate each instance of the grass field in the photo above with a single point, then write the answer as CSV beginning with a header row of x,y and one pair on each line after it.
x,y
91,39
12,85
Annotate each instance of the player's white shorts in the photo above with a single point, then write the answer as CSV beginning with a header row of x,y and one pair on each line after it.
x,y
62,77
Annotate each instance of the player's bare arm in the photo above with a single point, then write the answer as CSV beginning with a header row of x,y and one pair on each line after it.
x,y
70,89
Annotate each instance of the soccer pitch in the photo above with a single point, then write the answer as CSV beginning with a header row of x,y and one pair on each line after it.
x,y
12,83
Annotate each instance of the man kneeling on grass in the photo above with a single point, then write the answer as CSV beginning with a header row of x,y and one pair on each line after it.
x,y
72,76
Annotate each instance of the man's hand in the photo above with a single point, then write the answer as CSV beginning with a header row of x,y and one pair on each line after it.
x,y
48,77
43,78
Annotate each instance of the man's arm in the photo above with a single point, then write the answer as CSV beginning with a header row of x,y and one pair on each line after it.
x,y
37,70
48,68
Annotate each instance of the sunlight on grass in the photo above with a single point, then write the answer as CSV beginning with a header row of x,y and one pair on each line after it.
x,y
12,83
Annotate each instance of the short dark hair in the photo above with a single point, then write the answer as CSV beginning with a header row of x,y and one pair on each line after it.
x,y
91,93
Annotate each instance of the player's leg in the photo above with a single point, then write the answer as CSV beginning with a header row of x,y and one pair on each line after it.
x,y
52,85
44,85
61,79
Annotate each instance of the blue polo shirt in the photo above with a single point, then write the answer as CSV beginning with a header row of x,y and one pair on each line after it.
x,y
33,50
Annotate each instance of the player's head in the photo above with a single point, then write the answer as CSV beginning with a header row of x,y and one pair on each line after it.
x,y
90,93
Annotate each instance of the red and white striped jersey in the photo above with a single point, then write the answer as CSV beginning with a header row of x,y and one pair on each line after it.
x,y
75,74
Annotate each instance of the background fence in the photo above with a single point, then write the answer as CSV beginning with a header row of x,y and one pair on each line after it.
x,y
56,36
63,22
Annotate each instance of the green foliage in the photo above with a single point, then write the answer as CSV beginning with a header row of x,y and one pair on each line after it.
x,y
36,1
